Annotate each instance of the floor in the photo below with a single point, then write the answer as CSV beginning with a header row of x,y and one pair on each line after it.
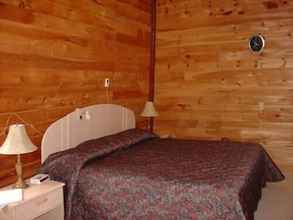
x,y
277,201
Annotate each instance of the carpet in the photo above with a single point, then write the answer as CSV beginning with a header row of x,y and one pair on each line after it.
x,y
277,201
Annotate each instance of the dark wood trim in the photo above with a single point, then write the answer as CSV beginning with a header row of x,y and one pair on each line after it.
x,y
153,23
152,51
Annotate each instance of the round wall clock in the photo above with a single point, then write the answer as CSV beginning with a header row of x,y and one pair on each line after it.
x,y
257,43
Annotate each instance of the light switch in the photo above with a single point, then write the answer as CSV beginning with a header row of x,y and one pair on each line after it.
x,y
107,83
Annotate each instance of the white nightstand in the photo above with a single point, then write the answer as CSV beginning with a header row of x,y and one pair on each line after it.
x,y
41,202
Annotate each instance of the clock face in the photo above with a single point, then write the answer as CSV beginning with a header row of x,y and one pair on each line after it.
x,y
257,43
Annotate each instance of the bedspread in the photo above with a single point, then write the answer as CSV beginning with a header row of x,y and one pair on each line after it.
x,y
135,175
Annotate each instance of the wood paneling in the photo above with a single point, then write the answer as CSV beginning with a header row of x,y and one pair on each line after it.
x,y
209,85
54,56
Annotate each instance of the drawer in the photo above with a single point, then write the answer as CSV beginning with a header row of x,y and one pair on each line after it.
x,y
6,214
39,205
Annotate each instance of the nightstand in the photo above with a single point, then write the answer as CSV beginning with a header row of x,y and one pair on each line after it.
x,y
40,202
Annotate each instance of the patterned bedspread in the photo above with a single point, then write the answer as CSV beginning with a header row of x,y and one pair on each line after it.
x,y
135,175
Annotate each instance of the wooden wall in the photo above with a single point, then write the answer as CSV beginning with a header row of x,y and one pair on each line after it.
x,y
209,85
55,55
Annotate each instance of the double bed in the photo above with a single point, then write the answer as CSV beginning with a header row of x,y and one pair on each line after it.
x,y
129,173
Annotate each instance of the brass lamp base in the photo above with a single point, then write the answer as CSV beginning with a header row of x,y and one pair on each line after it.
x,y
20,184
150,124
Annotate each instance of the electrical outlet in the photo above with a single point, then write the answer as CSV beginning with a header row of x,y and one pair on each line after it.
x,y
107,83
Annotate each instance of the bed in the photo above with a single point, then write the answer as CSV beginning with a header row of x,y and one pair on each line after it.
x,y
128,173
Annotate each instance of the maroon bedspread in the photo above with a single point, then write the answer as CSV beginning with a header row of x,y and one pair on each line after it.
x,y
134,175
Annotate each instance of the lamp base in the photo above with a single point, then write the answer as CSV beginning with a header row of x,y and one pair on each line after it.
x,y
20,184
150,124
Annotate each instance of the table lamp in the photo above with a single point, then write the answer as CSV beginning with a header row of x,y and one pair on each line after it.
x,y
17,142
150,112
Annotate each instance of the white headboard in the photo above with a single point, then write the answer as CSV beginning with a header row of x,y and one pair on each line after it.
x,y
85,124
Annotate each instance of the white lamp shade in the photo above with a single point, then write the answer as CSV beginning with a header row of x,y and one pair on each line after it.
x,y
149,110
17,141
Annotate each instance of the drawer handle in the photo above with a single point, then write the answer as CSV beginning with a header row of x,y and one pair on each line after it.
x,y
42,201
